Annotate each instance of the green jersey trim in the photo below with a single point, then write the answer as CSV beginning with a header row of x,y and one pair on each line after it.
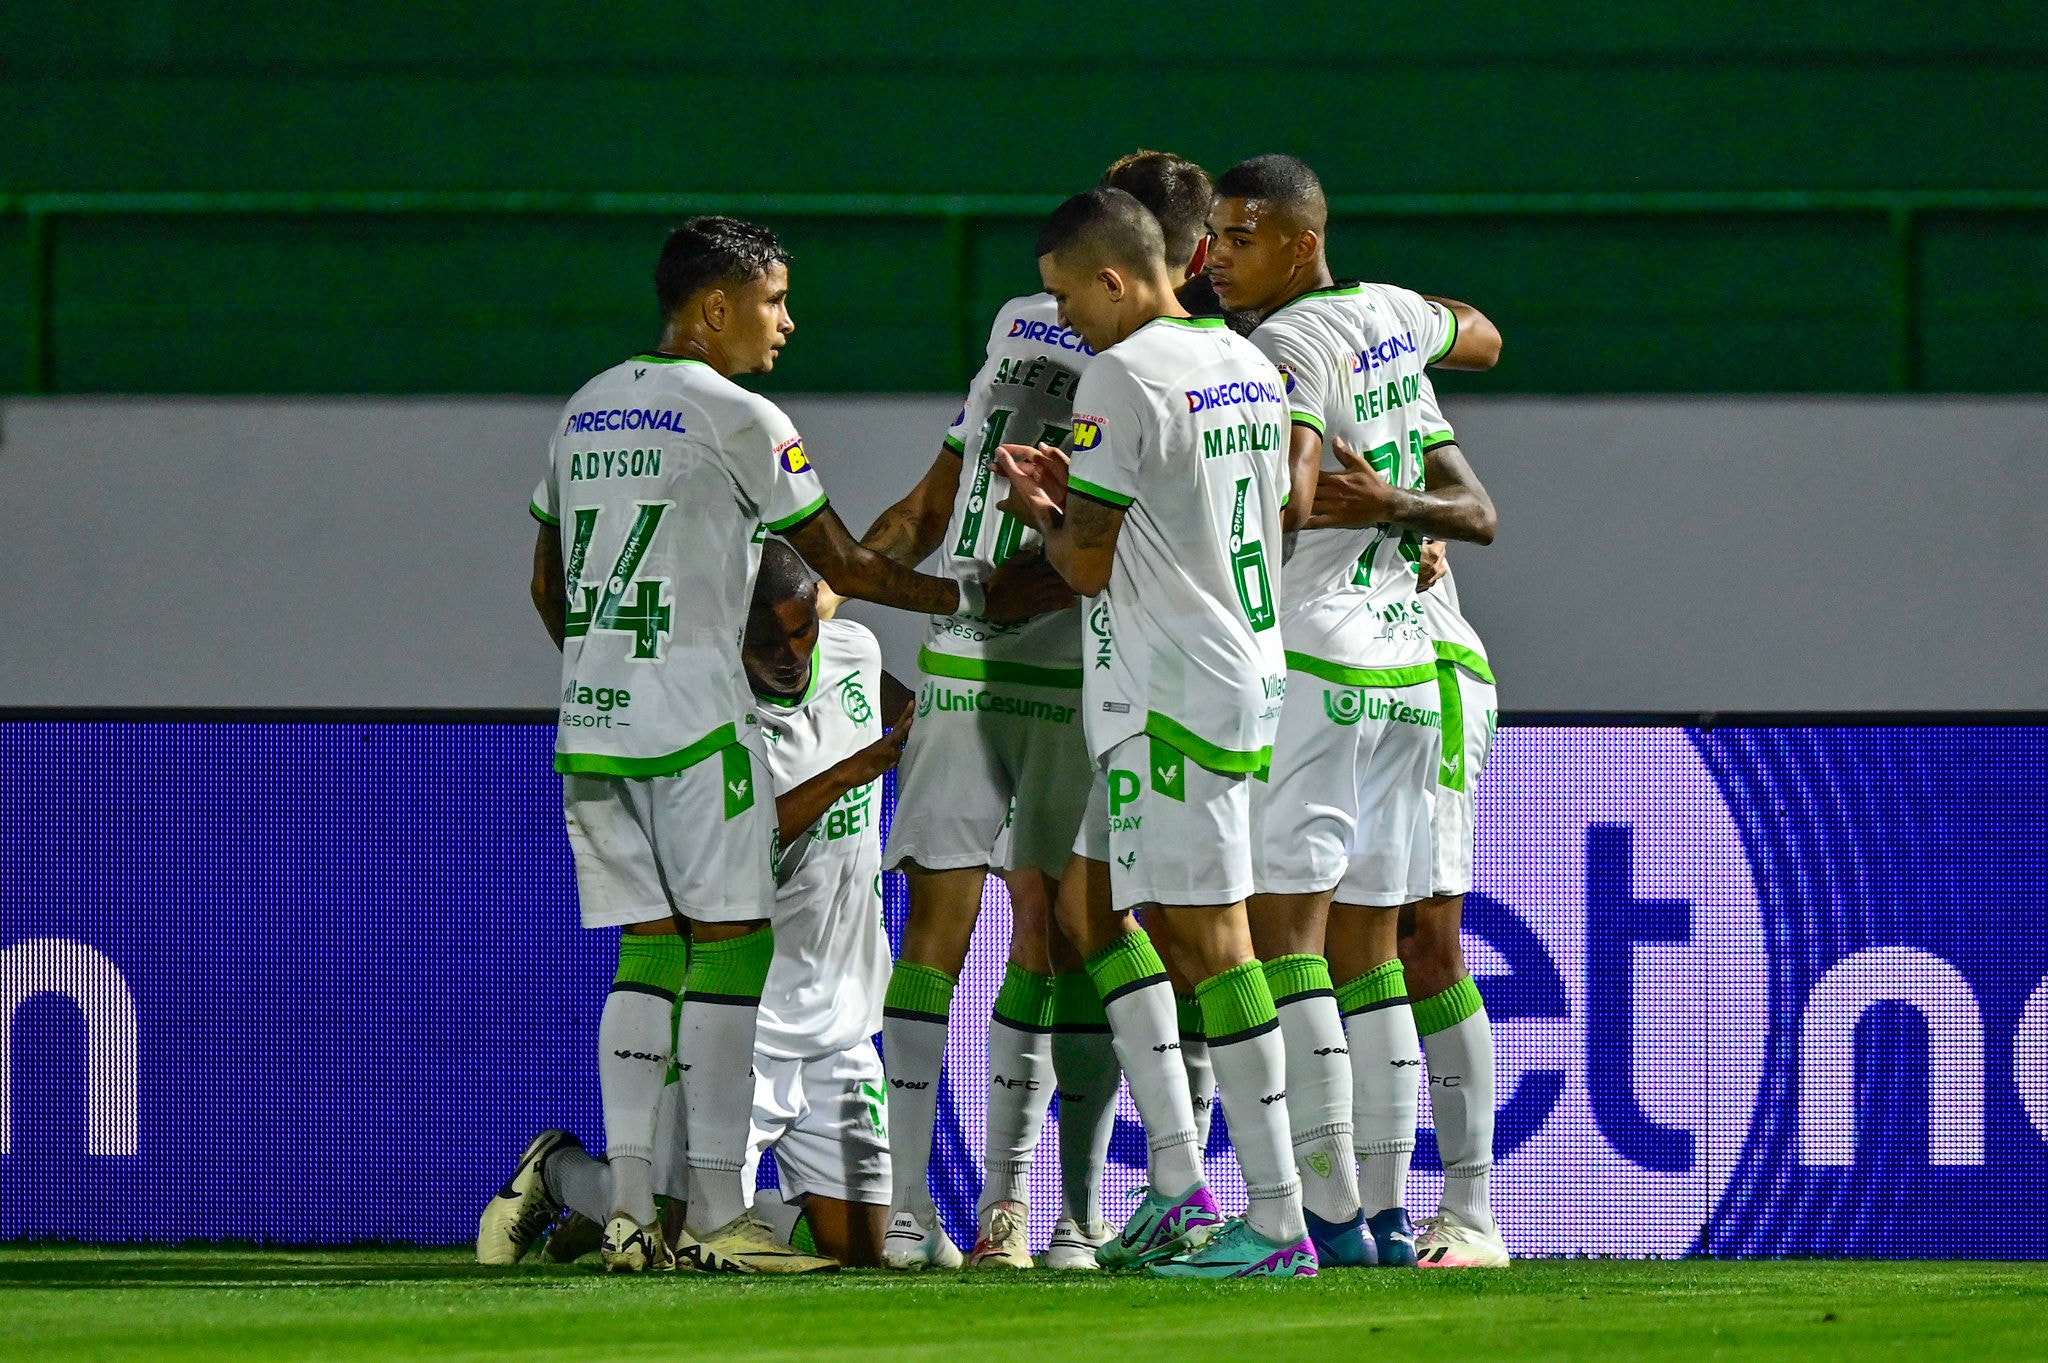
x,y
787,705
605,764
1450,338
1360,676
1205,323
1471,661
983,670
1310,420
540,513
1436,438
800,517
1099,492
651,358
1342,290
955,444
1225,761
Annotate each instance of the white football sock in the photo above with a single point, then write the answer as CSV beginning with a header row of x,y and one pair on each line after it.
x,y
1251,1074
1139,1003
1084,1062
579,1182
914,1016
1386,1062
1020,1083
716,1055
1194,1057
1318,1085
633,1042
1461,1096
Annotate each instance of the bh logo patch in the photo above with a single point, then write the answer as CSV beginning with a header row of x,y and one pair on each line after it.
x,y
792,455
1287,374
1087,432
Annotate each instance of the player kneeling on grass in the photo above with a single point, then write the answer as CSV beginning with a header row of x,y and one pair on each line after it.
x,y
1169,513
818,1101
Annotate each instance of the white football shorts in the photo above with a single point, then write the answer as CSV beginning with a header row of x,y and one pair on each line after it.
x,y
1347,802
1471,710
696,843
1172,831
978,746
827,1120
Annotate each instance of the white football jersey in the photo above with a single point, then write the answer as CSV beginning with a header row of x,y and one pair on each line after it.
x,y
663,478
831,966
1354,357
1023,395
1185,425
1455,639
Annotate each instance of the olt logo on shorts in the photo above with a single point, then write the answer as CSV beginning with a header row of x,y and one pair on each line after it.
x,y
855,701
1344,707
791,453
1087,432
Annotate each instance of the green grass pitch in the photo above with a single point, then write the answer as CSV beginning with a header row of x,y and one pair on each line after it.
x,y
252,1305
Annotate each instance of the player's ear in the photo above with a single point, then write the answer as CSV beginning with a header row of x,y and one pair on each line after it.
x,y
1112,283
714,307
1306,243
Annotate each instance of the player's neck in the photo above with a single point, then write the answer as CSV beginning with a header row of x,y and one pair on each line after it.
x,y
689,343
1149,302
1308,279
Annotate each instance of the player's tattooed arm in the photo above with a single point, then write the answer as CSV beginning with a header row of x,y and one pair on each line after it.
x,y
1304,463
909,531
1025,585
550,593
857,571
1452,505
1477,343
1079,532
804,804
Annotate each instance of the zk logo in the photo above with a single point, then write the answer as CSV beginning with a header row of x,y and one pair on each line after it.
x,y
1344,707
791,453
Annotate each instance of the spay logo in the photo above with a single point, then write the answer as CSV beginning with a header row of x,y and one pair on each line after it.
x,y
1051,333
1618,940
791,454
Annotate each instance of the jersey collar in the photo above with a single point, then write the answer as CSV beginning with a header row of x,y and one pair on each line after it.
x,y
1343,288
810,692
650,357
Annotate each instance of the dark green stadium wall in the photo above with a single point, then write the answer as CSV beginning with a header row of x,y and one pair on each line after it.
x,y
743,98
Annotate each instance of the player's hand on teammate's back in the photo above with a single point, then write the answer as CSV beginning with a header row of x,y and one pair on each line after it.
x,y
1353,495
1025,585
884,753
1435,562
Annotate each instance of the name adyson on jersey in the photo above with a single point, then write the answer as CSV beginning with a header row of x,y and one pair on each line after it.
x,y
1023,395
659,542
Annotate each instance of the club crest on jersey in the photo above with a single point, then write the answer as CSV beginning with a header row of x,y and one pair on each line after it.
x,y
855,701
791,452
1087,432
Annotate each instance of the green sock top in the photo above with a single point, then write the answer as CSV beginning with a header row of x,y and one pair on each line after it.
x,y
734,970
1236,1005
1440,1012
919,991
1190,1010
1076,1007
656,964
1128,964
1381,987
1298,977
1025,1000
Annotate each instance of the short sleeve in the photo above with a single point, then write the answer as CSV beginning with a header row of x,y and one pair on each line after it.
x,y
1304,374
974,411
1108,435
545,503
1436,430
1435,326
772,471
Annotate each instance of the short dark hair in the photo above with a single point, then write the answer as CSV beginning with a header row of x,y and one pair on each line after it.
x,y
1109,221
1175,190
1280,179
711,250
784,576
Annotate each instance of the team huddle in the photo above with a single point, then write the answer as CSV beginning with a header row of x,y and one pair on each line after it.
x,y
1195,685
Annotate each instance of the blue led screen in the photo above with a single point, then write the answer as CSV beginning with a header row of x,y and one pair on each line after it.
x,y
1768,990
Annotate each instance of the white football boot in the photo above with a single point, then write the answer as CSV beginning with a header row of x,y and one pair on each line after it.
x,y
629,1247
1073,1245
513,1221
747,1244
1005,1240
1447,1242
916,1241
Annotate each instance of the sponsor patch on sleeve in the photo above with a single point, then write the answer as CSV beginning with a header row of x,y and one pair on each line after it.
x,y
1287,375
791,453
1087,432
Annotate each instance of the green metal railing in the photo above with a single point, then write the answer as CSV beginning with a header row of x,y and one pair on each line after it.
x,y
957,214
